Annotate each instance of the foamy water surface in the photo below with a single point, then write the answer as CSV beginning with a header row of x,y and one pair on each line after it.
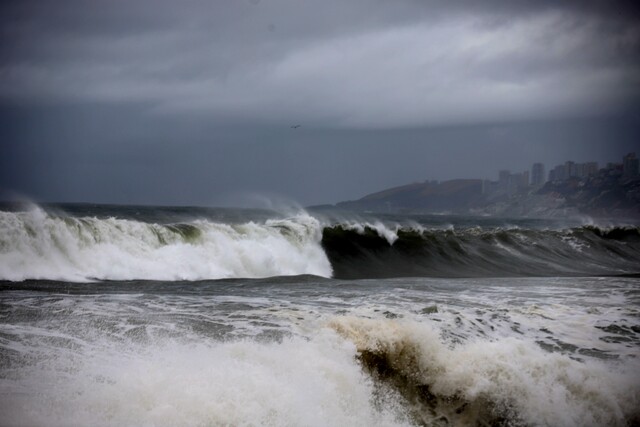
x,y
306,351
142,316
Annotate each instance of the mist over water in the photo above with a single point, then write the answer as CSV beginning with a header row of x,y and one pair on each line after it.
x,y
161,316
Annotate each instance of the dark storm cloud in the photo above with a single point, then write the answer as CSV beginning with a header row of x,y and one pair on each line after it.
x,y
333,63
191,102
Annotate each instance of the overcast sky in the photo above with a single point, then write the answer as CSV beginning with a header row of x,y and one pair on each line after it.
x,y
192,102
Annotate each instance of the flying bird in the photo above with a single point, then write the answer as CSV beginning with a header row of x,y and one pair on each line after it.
x,y
295,126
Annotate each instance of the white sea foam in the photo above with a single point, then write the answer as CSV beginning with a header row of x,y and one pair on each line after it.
x,y
519,352
574,243
381,230
314,381
36,245
297,382
482,380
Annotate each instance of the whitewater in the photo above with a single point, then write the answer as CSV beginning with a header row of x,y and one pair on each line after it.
x,y
36,245
161,316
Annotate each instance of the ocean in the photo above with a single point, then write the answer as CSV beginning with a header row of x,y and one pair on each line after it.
x,y
165,316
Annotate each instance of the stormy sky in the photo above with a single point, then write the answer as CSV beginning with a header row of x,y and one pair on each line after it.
x,y
192,102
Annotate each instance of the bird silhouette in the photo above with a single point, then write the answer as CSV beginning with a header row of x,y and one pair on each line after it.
x,y
295,126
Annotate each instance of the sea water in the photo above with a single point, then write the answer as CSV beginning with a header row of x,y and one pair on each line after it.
x,y
114,316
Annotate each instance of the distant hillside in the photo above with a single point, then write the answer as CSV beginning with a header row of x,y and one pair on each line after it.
x,y
457,194
603,194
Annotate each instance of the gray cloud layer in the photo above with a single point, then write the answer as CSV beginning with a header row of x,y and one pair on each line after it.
x,y
355,64
191,102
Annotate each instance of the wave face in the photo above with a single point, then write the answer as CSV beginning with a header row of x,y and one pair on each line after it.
x,y
38,245
372,250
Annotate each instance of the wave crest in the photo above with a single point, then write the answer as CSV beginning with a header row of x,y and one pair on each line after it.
x,y
508,381
479,252
37,245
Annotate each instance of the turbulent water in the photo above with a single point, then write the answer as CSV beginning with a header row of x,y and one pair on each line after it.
x,y
137,316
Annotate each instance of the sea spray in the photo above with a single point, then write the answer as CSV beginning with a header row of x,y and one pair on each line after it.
x,y
306,350
294,382
489,382
37,245
147,244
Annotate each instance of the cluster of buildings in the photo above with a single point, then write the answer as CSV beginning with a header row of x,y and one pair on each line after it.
x,y
571,169
628,168
507,183
511,183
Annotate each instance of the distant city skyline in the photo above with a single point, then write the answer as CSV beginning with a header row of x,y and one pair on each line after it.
x,y
538,175
193,103
312,166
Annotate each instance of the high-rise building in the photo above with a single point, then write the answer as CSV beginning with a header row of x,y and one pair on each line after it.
x,y
503,179
570,169
537,174
630,164
589,168
516,182
557,173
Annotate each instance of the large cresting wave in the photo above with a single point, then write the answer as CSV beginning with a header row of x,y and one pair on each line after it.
x,y
373,250
38,245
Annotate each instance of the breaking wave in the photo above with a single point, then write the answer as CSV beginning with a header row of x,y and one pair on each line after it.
x,y
503,382
37,245
295,382
376,251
